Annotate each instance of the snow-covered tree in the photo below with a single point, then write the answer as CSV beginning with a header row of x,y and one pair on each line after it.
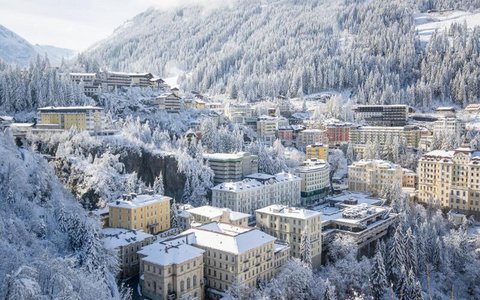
x,y
174,215
306,247
158,187
378,276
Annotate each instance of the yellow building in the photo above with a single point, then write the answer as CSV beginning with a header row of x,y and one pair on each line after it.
x,y
151,213
81,117
373,176
319,151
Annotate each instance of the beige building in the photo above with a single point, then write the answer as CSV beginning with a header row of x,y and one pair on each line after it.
x,y
267,128
361,136
231,167
207,214
310,137
234,254
150,213
88,118
126,243
172,269
257,191
373,175
315,175
451,179
288,224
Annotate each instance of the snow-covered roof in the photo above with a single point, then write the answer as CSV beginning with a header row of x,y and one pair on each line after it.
x,y
359,197
260,176
215,212
446,108
119,237
69,108
165,254
238,185
83,74
225,156
349,214
310,165
440,154
280,247
377,162
289,212
7,118
229,238
139,201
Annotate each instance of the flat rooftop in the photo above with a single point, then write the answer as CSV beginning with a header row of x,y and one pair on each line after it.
x,y
119,237
289,212
139,201
215,212
165,254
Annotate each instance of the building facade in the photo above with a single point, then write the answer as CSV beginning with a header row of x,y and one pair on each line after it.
x,y
234,254
288,224
310,137
257,191
207,214
338,133
451,179
317,151
231,167
382,115
126,243
172,269
170,102
150,213
373,176
315,175
81,117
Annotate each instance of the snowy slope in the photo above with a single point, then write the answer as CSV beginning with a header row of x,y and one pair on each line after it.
x,y
428,23
14,49
55,54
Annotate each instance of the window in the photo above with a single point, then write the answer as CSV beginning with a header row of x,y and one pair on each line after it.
x,y
188,283
182,286
194,280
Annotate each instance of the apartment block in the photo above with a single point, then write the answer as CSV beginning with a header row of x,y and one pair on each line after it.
x,y
449,125
172,269
338,132
361,136
126,243
267,128
288,224
315,175
382,115
317,151
310,137
150,213
257,191
451,179
234,254
231,167
373,175
81,117
170,102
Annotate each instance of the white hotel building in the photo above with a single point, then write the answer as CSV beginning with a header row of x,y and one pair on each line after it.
x,y
257,191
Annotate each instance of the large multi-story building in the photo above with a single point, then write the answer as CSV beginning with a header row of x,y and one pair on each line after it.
x,y
150,213
288,224
361,136
207,214
382,115
172,269
257,191
373,175
338,132
81,117
88,81
449,125
357,215
234,254
126,243
170,102
317,151
310,137
315,180
231,167
267,128
451,179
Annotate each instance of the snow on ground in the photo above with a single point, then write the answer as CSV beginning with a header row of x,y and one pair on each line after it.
x,y
313,100
427,23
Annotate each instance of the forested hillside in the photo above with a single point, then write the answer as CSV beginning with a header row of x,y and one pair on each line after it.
x,y
49,248
293,47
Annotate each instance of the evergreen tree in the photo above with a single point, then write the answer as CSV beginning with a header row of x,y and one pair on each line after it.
x,y
378,277
306,247
396,257
329,291
411,262
158,187
174,215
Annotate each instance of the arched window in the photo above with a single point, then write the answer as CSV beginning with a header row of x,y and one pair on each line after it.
x,y
188,283
182,286
194,280
169,286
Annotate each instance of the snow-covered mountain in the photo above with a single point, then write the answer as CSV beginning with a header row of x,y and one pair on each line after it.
x,y
251,49
16,50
